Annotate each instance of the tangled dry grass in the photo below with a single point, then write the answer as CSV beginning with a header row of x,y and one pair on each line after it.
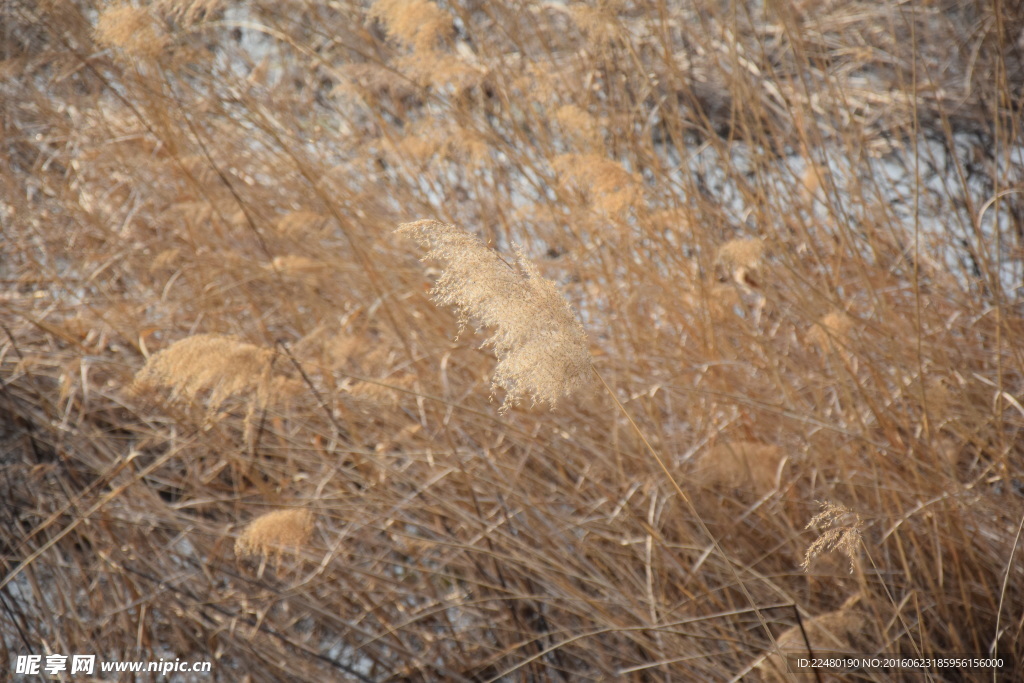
x,y
235,427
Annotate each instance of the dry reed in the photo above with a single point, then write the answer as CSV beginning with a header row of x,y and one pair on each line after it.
x,y
217,366
274,532
540,344
131,29
843,530
792,233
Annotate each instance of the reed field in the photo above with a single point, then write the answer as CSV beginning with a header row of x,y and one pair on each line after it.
x,y
481,340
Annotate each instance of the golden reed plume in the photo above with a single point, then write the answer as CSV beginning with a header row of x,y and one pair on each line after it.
x,y
540,344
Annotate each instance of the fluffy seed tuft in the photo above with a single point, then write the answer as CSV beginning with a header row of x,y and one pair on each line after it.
x,y
221,365
272,533
132,30
420,23
540,344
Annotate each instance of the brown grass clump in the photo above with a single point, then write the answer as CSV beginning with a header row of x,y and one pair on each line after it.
x,y
540,344
741,464
275,532
844,630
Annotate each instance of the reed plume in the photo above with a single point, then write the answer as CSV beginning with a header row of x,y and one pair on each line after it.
x,y
540,344
221,366
213,369
832,334
609,187
842,531
741,260
272,533
419,23
133,30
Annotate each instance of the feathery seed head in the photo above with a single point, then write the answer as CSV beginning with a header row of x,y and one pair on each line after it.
x,y
843,532
188,12
131,29
832,332
420,23
610,187
222,365
540,344
741,260
580,126
274,531
741,253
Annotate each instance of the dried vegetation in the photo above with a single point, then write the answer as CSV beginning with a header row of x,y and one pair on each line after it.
x,y
788,236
